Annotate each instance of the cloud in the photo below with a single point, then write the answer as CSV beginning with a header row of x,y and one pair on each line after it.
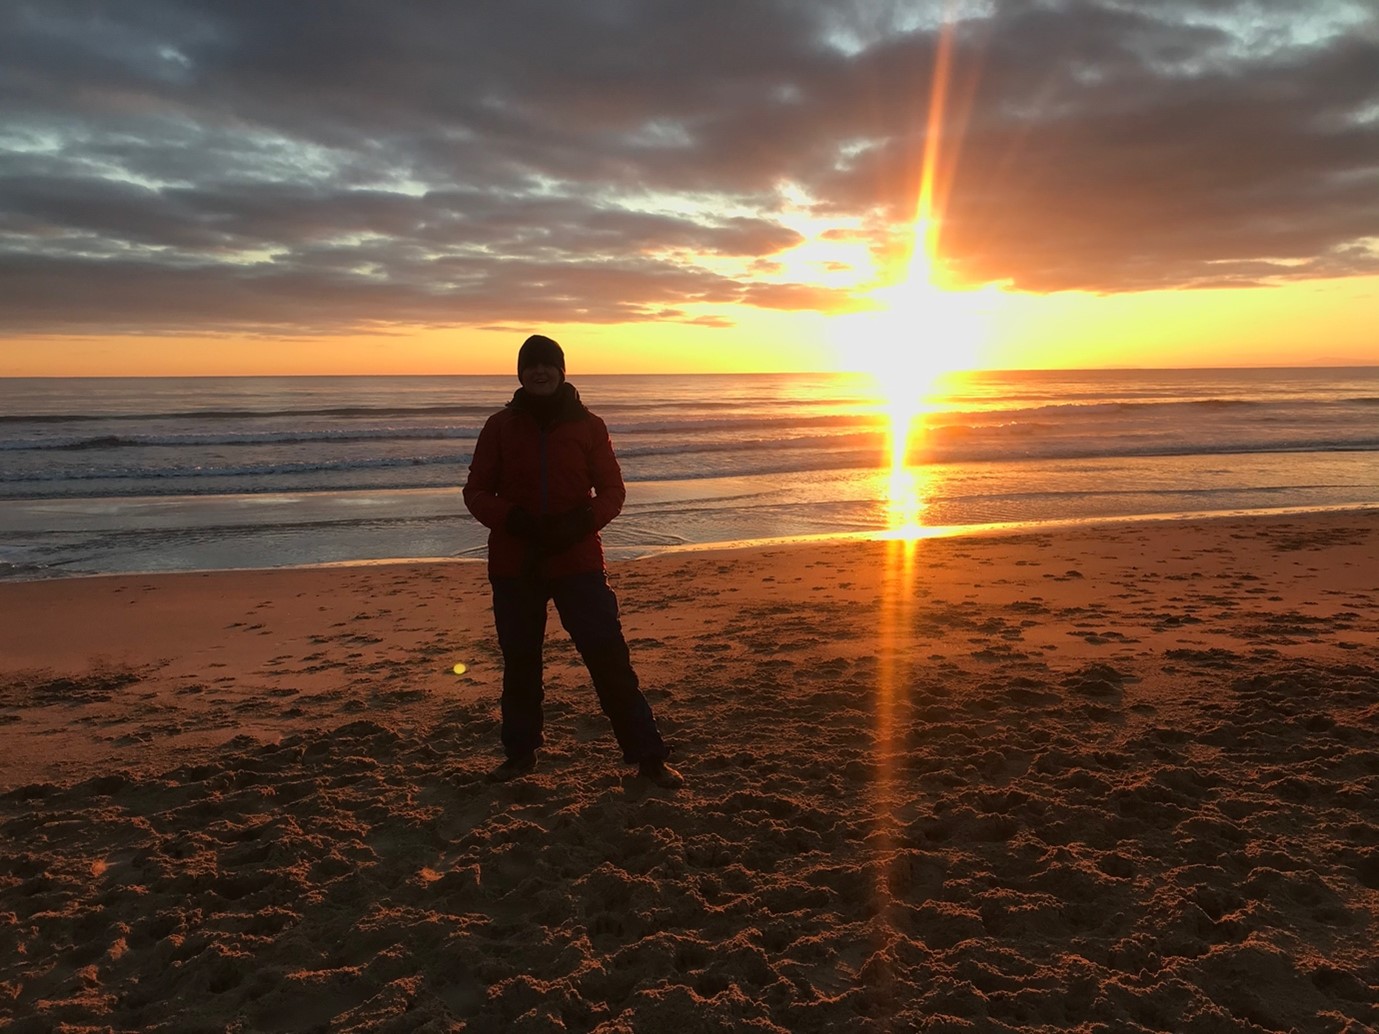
x,y
174,166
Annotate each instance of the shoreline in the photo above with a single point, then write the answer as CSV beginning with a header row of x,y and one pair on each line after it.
x,y
190,630
633,554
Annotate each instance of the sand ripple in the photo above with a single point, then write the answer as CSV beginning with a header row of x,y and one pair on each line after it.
x,y
1120,872
1125,780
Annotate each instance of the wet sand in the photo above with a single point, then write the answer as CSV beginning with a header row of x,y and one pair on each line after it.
x,y
1115,778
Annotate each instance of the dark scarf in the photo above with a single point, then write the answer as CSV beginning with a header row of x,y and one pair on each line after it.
x,y
550,410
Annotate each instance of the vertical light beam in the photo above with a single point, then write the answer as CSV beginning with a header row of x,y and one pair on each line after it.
x,y
905,502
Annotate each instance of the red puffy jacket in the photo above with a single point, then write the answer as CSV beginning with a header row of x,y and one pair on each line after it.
x,y
546,467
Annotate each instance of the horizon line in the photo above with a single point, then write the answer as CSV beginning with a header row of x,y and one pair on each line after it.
x,y
1322,365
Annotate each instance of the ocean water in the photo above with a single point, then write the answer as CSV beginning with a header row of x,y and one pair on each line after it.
x,y
116,475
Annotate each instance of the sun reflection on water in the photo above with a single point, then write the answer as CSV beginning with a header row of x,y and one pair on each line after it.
x,y
905,502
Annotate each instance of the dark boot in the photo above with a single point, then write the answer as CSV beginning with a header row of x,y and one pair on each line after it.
x,y
661,774
513,768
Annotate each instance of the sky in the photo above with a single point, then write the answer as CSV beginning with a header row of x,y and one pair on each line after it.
x,y
258,186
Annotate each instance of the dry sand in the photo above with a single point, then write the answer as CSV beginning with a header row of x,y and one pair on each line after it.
x,y
1122,778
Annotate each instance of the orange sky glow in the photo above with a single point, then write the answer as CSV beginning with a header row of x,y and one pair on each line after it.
x,y
869,190
1326,323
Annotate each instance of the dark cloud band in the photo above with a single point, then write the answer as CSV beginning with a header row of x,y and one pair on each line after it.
x,y
171,165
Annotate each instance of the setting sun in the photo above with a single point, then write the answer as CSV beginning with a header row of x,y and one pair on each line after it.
x,y
920,331
923,334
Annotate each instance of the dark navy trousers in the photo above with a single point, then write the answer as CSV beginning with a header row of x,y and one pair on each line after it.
x,y
588,609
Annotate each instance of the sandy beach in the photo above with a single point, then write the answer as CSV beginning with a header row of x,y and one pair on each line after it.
x,y
1109,778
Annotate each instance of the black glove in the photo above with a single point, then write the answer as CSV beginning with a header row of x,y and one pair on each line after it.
x,y
562,530
522,524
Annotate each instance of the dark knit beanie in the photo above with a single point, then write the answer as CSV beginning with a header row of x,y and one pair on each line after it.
x,y
540,349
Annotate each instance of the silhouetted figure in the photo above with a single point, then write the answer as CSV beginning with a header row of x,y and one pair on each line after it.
x,y
544,480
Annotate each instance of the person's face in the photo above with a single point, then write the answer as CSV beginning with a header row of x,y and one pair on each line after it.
x,y
541,379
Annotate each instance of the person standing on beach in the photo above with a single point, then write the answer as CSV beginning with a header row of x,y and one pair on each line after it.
x,y
544,480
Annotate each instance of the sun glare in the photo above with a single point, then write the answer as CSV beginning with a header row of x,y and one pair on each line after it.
x,y
917,337
918,331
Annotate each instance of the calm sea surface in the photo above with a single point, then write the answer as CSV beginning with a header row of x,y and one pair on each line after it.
x,y
109,475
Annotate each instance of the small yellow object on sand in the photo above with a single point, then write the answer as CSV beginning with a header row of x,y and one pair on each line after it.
x,y
460,668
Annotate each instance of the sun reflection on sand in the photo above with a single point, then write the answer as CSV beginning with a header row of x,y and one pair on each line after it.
x,y
892,654
905,500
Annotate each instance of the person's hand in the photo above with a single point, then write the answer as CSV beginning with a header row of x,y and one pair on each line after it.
x,y
562,530
522,524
